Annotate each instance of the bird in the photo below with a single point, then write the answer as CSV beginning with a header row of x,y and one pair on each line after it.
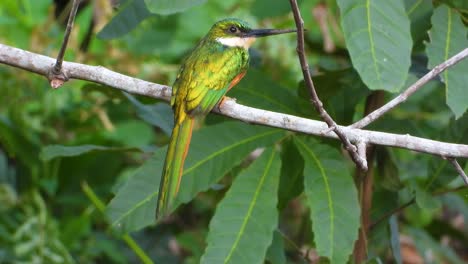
x,y
218,62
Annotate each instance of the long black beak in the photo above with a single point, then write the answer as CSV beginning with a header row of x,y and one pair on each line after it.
x,y
256,33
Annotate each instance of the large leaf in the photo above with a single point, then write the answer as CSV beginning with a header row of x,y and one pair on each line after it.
x,y
448,37
166,7
259,90
292,173
378,38
332,198
419,13
217,151
214,151
54,151
275,253
159,114
126,20
242,228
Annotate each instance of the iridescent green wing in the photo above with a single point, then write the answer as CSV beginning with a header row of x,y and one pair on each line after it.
x,y
211,73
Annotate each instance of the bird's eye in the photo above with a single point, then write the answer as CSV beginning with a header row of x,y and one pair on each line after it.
x,y
233,29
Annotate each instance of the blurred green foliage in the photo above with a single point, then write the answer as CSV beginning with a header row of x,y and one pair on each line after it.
x,y
67,153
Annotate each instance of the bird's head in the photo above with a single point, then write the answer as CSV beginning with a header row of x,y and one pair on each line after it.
x,y
234,32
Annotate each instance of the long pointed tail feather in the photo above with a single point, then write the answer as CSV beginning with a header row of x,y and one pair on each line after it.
x,y
174,165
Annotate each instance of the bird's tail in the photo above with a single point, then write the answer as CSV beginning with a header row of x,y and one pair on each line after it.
x,y
174,165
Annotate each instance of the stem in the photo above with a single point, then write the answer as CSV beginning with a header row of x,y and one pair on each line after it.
x,y
58,64
412,89
352,150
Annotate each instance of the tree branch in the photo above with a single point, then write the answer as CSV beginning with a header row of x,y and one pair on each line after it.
x,y
56,76
41,65
412,89
459,169
352,150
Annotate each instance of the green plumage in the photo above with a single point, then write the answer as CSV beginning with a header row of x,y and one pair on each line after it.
x,y
217,63
204,78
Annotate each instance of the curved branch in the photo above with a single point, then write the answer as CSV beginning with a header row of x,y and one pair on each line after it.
x,y
412,89
41,65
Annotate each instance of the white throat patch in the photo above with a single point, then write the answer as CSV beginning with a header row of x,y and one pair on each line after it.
x,y
236,42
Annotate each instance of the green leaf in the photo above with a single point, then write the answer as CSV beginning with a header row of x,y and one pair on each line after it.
x,y
425,200
134,205
387,169
267,9
55,151
292,173
159,114
425,243
419,13
17,144
440,171
340,91
132,133
229,144
242,228
332,198
126,20
378,38
259,90
166,7
213,152
395,239
275,253
448,37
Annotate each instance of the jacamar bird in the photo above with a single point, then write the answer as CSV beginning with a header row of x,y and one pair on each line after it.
x,y
217,63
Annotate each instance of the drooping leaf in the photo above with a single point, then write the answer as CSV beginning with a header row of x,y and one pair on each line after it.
x,y
275,253
259,90
419,13
126,20
332,198
448,36
292,173
167,7
378,38
395,239
213,152
242,228
54,151
159,114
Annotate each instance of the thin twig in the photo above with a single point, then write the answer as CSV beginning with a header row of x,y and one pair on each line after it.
x,y
392,212
361,163
410,202
413,88
57,77
41,64
459,169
